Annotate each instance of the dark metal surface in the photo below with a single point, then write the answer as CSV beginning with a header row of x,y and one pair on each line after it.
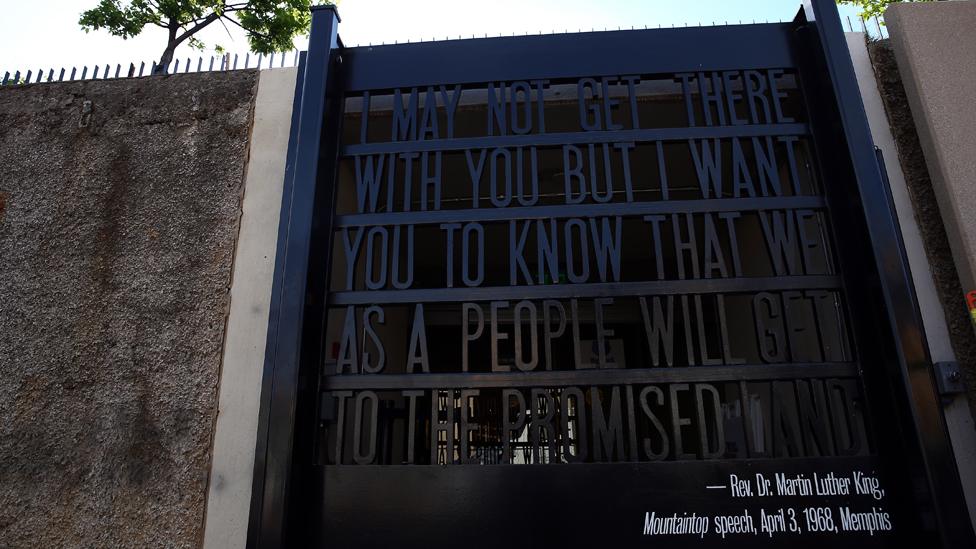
x,y
582,210
568,55
872,221
595,289
571,505
302,497
753,372
605,136
948,377
280,392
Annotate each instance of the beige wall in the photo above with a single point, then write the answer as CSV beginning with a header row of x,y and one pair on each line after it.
x,y
936,51
232,466
958,418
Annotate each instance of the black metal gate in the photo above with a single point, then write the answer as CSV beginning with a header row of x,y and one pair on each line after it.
x,y
634,287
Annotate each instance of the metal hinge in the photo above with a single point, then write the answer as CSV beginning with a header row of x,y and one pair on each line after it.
x,y
948,377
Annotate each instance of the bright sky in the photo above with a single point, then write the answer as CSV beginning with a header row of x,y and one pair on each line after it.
x,y
45,33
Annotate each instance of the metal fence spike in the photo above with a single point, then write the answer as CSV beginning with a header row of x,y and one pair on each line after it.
x,y
260,58
27,78
40,74
73,69
176,67
61,76
142,66
6,76
50,75
84,72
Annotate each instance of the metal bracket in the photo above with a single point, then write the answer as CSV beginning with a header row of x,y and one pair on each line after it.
x,y
948,377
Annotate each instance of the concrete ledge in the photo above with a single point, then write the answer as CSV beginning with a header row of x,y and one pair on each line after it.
x,y
232,467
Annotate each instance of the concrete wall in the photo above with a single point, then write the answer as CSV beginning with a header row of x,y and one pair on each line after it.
x,y
936,52
119,208
232,469
893,133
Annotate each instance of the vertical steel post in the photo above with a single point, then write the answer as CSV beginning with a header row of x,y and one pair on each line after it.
x,y
273,468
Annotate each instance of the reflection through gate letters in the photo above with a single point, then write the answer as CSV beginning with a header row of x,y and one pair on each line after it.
x,y
609,269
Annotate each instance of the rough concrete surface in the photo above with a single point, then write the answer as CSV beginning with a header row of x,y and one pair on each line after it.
x,y
117,234
927,212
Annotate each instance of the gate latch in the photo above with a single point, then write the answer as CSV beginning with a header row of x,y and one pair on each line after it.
x,y
949,378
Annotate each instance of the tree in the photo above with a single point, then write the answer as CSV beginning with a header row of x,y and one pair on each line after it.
x,y
271,25
874,8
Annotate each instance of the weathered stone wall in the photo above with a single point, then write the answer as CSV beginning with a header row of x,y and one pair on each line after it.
x,y
117,235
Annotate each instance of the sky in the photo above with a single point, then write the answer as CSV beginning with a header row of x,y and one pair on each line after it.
x,y
45,33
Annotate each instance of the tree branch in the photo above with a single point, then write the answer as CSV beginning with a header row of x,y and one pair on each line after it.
x,y
231,19
196,28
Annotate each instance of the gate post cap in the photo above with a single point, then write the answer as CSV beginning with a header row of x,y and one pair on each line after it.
x,y
330,7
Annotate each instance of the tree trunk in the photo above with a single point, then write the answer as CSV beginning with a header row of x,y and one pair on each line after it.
x,y
166,59
171,43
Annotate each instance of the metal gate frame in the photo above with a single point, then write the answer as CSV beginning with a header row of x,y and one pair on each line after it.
x,y
859,204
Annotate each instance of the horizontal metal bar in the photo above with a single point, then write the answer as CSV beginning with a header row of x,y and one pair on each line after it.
x,y
577,138
624,209
693,374
569,55
596,289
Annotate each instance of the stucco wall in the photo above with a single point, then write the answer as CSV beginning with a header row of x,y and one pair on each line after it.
x,y
936,53
117,234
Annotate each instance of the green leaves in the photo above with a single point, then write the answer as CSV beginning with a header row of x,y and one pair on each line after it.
x,y
271,25
873,8
120,21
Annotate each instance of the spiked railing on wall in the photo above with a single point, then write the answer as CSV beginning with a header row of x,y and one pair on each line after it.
x,y
190,64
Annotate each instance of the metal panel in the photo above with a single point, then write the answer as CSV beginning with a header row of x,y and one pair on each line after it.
x,y
302,499
568,55
842,127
